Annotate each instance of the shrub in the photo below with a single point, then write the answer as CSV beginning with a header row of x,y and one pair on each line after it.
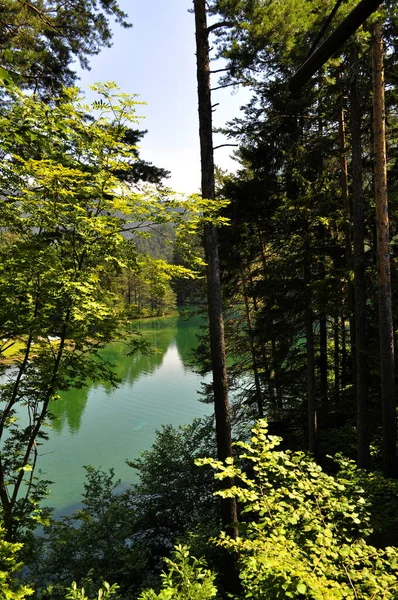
x,y
306,532
187,578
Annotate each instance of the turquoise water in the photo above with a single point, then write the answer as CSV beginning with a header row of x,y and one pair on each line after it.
x,y
104,426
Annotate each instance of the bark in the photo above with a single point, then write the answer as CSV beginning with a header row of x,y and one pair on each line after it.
x,y
386,330
336,39
216,324
336,344
259,396
309,335
276,369
344,181
274,391
343,351
323,329
361,384
323,364
347,230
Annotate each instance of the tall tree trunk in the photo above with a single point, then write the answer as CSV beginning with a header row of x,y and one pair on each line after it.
x,y
216,324
323,329
274,390
344,179
309,335
129,289
361,386
386,331
336,347
347,232
275,363
259,396
323,363
343,351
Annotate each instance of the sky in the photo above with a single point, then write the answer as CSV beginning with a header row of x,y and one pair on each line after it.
x,y
156,60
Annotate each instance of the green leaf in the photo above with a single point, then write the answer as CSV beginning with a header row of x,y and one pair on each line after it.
x,y
25,468
5,78
301,588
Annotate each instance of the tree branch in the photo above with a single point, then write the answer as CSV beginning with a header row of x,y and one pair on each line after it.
x,y
219,25
333,43
220,87
41,14
224,145
220,70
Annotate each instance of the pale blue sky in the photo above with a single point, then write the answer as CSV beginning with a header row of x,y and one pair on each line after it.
x,y
156,59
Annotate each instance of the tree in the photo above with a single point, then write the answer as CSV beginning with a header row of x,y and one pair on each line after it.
x,y
65,217
123,536
41,39
359,268
306,535
9,588
61,238
187,579
260,40
386,328
263,47
216,324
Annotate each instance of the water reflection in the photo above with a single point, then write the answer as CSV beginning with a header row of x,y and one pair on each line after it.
x,y
176,334
186,338
103,425
68,410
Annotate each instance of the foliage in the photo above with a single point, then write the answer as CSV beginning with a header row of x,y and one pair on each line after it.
x,y
186,579
9,565
104,593
41,39
264,35
306,533
60,245
96,543
67,217
123,535
287,258
302,532
155,275
381,497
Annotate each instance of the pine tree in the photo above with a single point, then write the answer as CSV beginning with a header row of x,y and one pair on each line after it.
x,y
40,39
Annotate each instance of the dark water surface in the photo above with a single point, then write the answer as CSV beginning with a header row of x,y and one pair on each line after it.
x,y
104,426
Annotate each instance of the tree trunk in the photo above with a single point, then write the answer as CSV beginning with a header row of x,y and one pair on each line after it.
x,y
274,391
309,335
361,386
336,347
386,330
343,351
347,233
259,396
216,324
344,180
323,363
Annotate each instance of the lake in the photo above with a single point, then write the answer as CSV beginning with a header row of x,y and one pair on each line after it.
x,y
103,426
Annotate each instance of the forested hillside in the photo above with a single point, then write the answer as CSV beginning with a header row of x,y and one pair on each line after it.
x,y
291,490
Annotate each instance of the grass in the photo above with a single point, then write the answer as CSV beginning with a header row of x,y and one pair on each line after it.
x,y
12,350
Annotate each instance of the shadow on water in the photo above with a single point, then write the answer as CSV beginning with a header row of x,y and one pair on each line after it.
x,y
74,507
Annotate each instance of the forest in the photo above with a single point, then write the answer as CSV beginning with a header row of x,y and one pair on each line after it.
x,y
291,489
